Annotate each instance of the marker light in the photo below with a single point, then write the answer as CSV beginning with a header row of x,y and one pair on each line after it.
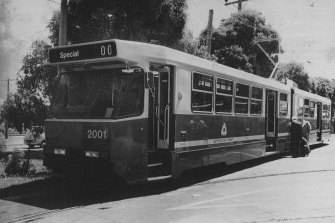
x,y
59,151
92,154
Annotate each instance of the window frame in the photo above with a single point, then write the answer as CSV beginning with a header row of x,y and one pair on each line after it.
x,y
306,108
202,91
256,99
287,103
241,97
298,107
226,95
314,107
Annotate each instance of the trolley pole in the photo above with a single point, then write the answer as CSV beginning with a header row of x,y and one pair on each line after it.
x,y
209,31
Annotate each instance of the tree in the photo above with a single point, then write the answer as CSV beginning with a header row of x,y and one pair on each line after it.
x,y
295,72
234,42
141,20
322,87
36,76
17,110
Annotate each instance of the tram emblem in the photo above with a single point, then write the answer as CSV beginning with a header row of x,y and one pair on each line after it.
x,y
224,129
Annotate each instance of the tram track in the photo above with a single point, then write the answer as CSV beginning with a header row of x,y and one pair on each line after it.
x,y
314,218
39,215
263,176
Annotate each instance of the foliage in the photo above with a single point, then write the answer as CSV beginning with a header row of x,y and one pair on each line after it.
x,y
141,20
190,45
295,72
16,165
187,43
35,82
234,55
36,76
325,88
322,87
2,146
18,109
233,42
202,52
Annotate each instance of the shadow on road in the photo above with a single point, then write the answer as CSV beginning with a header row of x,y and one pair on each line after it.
x,y
58,192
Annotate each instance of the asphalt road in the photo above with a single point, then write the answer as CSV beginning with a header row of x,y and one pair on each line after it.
x,y
268,190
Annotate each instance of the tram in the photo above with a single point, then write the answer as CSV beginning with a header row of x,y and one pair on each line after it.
x,y
145,111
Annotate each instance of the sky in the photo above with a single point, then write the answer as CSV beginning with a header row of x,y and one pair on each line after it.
x,y
306,27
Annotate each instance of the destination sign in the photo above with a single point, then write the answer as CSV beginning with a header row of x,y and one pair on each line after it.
x,y
69,53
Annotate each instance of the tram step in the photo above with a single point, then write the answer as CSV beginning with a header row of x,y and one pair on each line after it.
x,y
154,164
159,178
158,169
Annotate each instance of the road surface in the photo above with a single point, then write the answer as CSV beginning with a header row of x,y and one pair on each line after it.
x,y
282,190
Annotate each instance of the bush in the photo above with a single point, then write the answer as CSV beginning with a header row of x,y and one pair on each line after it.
x,y
2,145
16,165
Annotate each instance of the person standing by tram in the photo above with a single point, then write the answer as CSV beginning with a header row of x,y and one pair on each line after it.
x,y
306,129
295,128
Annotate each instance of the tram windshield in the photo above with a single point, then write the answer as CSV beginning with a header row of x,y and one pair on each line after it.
x,y
99,94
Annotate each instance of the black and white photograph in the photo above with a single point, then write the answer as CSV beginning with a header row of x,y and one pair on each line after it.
x,y
169,111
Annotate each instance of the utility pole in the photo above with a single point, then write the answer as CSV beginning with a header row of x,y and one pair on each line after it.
x,y
239,3
209,31
6,124
6,121
63,23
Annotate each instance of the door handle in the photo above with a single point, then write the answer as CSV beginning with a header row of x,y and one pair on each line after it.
x,y
166,123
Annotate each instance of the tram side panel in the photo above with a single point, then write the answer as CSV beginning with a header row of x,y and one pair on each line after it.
x,y
313,120
208,138
315,110
283,139
326,122
284,114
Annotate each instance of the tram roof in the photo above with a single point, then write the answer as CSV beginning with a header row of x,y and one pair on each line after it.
x,y
312,96
162,54
132,53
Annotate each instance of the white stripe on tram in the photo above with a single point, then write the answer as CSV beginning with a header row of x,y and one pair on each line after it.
x,y
217,141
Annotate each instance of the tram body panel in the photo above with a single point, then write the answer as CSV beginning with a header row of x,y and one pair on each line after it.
x,y
228,139
124,148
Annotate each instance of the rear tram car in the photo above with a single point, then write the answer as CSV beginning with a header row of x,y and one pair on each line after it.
x,y
143,111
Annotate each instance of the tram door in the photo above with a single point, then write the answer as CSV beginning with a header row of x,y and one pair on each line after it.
x,y
271,114
319,121
161,108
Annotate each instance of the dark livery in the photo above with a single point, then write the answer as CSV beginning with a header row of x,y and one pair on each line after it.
x,y
141,111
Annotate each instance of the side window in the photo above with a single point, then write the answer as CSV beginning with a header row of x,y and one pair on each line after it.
x,y
283,105
202,93
300,107
256,101
224,96
242,98
312,109
306,108
326,112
